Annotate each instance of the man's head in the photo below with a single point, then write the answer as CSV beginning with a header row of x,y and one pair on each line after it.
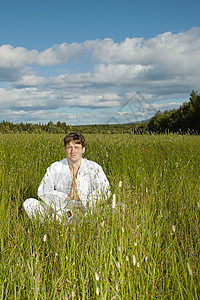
x,y
78,138
74,147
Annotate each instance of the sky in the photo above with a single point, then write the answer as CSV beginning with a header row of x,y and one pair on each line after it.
x,y
96,62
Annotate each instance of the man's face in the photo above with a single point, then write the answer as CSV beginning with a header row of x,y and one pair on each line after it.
x,y
74,151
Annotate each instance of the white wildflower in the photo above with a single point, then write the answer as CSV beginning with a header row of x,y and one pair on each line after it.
x,y
117,288
96,276
97,291
138,264
127,258
120,184
56,254
45,238
103,224
122,229
198,204
135,244
146,258
189,269
173,228
134,260
114,201
118,264
119,248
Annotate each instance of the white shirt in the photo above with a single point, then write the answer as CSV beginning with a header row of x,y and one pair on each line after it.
x,y
92,185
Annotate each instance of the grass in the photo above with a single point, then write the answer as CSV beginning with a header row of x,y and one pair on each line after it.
x,y
147,247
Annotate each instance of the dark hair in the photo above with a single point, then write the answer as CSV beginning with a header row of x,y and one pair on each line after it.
x,y
74,136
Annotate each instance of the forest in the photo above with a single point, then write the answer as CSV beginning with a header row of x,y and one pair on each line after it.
x,y
185,119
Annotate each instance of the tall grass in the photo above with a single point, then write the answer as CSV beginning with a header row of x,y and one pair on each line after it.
x,y
144,247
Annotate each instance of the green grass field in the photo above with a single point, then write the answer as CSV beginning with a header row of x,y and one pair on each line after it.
x,y
147,247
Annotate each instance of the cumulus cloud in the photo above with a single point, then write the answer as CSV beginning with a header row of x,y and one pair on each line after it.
x,y
164,48
19,57
164,68
59,54
13,58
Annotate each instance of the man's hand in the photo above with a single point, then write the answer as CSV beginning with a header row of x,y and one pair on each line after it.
x,y
73,195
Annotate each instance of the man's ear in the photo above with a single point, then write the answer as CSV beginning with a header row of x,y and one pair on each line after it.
x,y
84,150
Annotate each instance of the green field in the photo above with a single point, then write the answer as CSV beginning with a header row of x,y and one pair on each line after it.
x,y
146,247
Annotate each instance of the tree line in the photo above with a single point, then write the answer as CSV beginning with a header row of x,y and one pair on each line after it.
x,y
185,119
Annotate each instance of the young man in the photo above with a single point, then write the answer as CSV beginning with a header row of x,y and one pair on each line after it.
x,y
69,185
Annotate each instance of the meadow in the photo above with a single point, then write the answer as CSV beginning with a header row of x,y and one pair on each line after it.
x,y
143,243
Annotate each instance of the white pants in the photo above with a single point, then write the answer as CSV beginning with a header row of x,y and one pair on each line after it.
x,y
36,209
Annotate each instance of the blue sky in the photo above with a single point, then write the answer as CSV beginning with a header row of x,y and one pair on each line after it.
x,y
86,62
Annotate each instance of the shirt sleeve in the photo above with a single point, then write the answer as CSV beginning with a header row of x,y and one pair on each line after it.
x,y
47,191
100,190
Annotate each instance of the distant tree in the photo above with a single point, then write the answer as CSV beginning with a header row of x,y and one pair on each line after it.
x,y
186,118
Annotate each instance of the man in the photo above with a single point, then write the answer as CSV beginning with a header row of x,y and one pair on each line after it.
x,y
70,185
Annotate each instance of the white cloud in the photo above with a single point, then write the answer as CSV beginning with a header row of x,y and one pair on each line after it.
x,y
164,48
13,58
163,68
19,57
59,54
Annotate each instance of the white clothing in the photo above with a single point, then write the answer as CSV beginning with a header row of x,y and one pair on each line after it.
x,y
92,186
